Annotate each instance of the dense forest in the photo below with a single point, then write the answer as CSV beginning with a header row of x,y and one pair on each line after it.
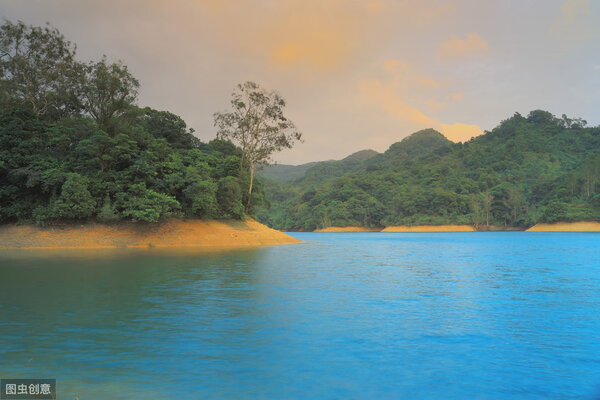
x,y
537,168
75,146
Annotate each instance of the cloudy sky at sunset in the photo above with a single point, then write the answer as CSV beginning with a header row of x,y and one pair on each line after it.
x,y
355,74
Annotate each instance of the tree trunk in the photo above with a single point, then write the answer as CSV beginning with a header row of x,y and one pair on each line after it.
x,y
250,188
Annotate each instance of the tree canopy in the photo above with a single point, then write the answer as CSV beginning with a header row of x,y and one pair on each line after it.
x,y
75,146
257,123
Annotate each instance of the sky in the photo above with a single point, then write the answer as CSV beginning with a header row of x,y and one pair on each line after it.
x,y
355,74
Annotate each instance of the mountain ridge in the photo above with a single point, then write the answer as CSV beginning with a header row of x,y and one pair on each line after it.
x,y
527,170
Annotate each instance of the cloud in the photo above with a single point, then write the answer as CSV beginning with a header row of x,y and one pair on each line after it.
x,y
434,105
325,36
377,93
456,47
406,92
404,71
459,132
575,25
457,96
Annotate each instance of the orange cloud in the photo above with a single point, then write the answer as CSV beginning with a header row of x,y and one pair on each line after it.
x,y
375,92
459,132
401,97
458,96
434,104
328,36
321,50
456,47
405,90
323,36
402,71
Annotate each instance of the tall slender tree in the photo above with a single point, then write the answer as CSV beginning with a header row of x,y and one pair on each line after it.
x,y
257,124
488,198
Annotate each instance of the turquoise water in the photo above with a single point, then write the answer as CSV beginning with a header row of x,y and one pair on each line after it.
x,y
366,316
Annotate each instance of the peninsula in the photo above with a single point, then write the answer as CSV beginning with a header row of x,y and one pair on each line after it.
x,y
172,233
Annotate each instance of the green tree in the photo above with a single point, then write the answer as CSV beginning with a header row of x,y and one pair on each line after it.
x,y
75,201
488,200
514,202
478,217
35,65
200,198
107,212
229,196
143,204
556,211
258,125
107,91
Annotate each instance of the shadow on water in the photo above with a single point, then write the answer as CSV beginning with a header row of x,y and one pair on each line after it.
x,y
75,315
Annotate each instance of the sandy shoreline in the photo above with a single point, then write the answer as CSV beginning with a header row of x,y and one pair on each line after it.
x,y
584,226
408,229
430,228
347,229
170,234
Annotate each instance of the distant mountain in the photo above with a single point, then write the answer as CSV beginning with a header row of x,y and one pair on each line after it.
x,y
283,173
418,144
530,169
361,155
330,169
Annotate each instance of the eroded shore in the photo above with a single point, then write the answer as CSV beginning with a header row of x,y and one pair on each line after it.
x,y
430,228
583,226
347,229
169,234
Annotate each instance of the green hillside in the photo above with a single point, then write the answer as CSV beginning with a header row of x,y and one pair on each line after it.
x,y
316,171
419,144
329,169
283,173
75,146
530,169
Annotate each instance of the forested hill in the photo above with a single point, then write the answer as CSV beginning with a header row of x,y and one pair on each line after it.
x,y
282,173
527,170
75,146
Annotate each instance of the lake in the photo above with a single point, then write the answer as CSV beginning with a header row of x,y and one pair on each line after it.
x,y
502,315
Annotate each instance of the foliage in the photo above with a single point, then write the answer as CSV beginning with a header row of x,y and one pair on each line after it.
x,y
75,201
283,173
107,213
95,154
530,169
35,64
258,125
107,91
143,204
229,195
